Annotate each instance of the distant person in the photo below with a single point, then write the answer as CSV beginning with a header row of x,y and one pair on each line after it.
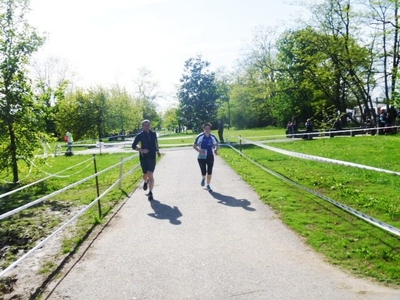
x,y
383,118
290,129
294,125
338,124
383,121
206,144
148,149
309,126
69,139
309,129
392,115
221,131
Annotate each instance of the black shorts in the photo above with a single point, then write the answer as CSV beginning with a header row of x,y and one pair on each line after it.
x,y
206,165
148,165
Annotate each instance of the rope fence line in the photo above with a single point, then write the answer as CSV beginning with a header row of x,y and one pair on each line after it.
x,y
320,159
18,209
66,176
387,227
80,213
326,133
43,179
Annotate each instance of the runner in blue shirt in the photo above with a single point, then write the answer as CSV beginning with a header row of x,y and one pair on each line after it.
x,y
206,144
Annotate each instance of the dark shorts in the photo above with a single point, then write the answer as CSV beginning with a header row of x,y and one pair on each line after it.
x,y
148,165
206,165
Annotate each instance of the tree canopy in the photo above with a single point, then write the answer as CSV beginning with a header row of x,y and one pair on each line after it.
x,y
20,131
197,94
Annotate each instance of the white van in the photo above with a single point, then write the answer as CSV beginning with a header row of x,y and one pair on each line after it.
x,y
376,106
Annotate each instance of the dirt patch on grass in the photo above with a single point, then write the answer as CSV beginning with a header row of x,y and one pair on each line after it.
x,y
24,280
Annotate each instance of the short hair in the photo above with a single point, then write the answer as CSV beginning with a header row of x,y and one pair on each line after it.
x,y
207,124
145,121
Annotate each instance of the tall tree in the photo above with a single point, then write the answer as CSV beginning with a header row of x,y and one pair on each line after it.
x,y
98,112
170,119
351,62
146,92
385,19
224,87
197,94
50,85
19,132
123,114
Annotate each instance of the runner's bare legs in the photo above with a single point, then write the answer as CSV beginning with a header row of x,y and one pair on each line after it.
x,y
150,180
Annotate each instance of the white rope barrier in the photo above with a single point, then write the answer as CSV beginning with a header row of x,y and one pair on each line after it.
x,y
326,133
18,209
62,227
387,227
43,179
320,159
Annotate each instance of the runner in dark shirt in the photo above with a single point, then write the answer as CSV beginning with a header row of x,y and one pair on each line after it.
x,y
148,149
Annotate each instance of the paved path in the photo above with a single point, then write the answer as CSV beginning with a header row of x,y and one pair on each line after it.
x,y
192,244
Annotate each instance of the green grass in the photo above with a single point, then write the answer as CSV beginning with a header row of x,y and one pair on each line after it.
x,y
23,230
231,135
176,139
343,239
268,133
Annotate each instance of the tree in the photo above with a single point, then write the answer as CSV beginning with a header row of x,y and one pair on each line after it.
x,y
97,112
224,86
50,85
197,94
123,114
19,122
384,14
84,113
146,93
170,119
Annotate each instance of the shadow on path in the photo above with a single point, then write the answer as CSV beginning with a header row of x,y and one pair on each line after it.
x,y
231,201
165,212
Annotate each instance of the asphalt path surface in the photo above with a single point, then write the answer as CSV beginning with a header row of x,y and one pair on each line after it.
x,y
192,244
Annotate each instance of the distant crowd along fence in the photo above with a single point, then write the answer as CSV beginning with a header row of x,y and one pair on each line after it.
x,y
372,130
96,175
387,227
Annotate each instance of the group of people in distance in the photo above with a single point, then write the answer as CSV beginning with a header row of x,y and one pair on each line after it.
x,y
146,143
291,128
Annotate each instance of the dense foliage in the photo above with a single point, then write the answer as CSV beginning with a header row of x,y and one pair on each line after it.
x,y
197,94
20,132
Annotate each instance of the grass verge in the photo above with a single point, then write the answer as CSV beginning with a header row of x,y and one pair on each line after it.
x,y
20,232
343,239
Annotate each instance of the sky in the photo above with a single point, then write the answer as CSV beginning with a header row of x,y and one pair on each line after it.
x,y
106,42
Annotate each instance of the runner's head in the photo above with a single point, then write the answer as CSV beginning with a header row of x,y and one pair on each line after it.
x,y
207,128
146,125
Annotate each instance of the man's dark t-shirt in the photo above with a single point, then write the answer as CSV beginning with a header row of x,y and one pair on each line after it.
x,y
147,141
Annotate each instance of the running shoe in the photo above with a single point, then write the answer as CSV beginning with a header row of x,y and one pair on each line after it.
x,y
150,196
203,182
209,188
145,186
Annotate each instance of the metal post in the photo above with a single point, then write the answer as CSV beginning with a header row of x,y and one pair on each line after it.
x,y
121,167
97,184
240,143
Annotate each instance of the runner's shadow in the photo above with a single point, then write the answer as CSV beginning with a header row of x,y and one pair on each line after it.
x,y
232,201
165,212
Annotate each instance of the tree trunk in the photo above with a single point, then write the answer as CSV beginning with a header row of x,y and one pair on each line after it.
x,y
13,150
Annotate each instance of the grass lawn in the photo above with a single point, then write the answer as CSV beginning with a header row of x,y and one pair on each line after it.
x,y
23,230
343,239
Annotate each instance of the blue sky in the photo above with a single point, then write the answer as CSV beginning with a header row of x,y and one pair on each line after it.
x,y
107,41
